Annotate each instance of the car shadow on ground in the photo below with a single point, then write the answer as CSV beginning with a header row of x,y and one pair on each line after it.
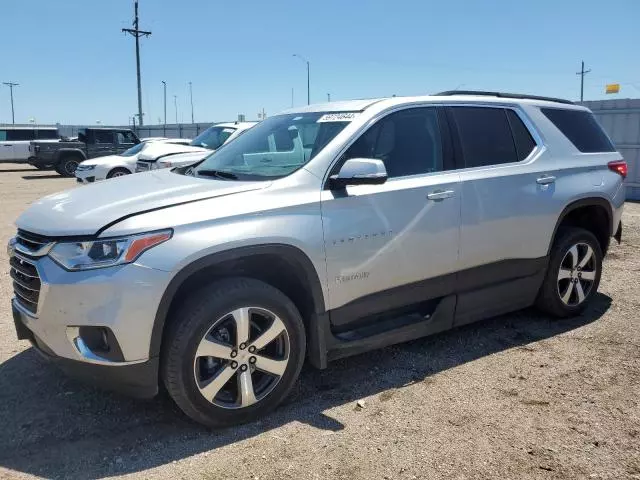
x,y
18,170
56,428
42,177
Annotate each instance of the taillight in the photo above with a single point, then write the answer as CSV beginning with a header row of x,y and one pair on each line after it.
x,y
619,166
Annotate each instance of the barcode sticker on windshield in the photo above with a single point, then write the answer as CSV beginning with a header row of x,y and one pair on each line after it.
x,y
337,117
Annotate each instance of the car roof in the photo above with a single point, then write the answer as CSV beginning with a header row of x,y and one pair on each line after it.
x,y
12,127
446,97
240,125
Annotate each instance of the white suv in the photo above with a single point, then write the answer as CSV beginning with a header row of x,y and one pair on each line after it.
x,y
201,146
322,232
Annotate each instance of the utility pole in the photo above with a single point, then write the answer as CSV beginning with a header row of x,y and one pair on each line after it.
x,y
164,87
11,85
191,97
582,73
137,33
291,97
175,105
328,97
308,77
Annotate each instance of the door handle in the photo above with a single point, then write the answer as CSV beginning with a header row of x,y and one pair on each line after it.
x,y
545,180
8,145
440,194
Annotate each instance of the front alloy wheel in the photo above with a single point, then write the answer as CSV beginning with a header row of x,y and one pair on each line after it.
x,y
241,359
233,351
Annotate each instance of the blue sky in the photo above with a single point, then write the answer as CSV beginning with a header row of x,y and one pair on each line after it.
x,y
75,66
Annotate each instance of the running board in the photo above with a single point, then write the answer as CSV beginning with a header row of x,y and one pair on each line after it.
x,y
389,332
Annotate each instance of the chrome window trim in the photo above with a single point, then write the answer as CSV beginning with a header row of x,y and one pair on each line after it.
x,y
535,133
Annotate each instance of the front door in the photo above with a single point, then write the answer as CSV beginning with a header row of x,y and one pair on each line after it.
x,y
384,243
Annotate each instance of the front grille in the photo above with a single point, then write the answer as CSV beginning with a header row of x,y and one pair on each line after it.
x,y
32,241
26,283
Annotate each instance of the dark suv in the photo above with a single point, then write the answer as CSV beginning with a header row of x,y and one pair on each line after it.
x,y
65,155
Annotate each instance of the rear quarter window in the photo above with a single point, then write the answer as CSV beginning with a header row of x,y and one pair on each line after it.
x,y
581,128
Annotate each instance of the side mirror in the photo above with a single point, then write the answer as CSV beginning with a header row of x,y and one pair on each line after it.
x,y
359,171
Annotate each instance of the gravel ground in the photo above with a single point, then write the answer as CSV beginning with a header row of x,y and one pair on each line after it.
x,y
518,396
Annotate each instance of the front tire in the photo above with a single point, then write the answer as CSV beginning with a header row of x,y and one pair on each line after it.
x,y
233,352
573,275
118,172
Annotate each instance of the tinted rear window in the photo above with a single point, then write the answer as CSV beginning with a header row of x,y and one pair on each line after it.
x,y
485,136
581,128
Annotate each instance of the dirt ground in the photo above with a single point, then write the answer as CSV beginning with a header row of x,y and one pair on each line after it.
x,y
518,396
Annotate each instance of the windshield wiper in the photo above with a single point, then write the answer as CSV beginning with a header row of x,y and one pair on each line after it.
x,y
217,173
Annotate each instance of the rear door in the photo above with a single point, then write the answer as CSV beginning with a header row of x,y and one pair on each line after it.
x,y
395,244
101,143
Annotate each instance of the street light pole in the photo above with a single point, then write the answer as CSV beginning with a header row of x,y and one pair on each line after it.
x,y
11,85
164,87
175,104
308,77
191,97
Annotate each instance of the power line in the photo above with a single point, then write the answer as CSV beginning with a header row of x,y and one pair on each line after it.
x,y
11,85
137,33
582,73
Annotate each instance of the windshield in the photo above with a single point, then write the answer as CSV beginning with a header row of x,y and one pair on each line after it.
x,y
274,148
213,137
133,150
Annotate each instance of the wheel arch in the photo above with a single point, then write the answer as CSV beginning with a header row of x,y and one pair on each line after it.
x,y
577,214
68,152
283,266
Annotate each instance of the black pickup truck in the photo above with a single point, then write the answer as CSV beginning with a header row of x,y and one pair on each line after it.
x,y
64,155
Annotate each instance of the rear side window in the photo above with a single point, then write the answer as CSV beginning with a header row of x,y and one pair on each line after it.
x,y
16,135
103,136
485,136
3,135
581,128
524,141
47,134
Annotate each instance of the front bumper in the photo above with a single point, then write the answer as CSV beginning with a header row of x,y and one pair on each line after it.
x,y
138,380
121,300
90,176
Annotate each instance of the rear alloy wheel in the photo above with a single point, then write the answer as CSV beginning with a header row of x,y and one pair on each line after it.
x,y
118,172
573,274
233,351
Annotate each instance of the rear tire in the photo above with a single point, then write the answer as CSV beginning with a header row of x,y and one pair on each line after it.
x,y
573,274
232,352
118,172
67,166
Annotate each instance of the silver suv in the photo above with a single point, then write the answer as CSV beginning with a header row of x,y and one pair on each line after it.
x,y
322,232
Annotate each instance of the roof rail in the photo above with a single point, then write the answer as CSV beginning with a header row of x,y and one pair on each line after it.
x,y
503,95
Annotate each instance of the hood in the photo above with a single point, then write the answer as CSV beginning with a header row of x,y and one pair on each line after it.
x,y
86,210
156,149
103,160
183,159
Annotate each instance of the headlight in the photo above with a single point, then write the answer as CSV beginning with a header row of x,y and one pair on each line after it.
x,y
85,167
164,164
105,253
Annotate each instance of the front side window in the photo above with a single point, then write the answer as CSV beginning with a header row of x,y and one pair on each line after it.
x,y
274,148
3,135
213,137
485,136
125,138
408,142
